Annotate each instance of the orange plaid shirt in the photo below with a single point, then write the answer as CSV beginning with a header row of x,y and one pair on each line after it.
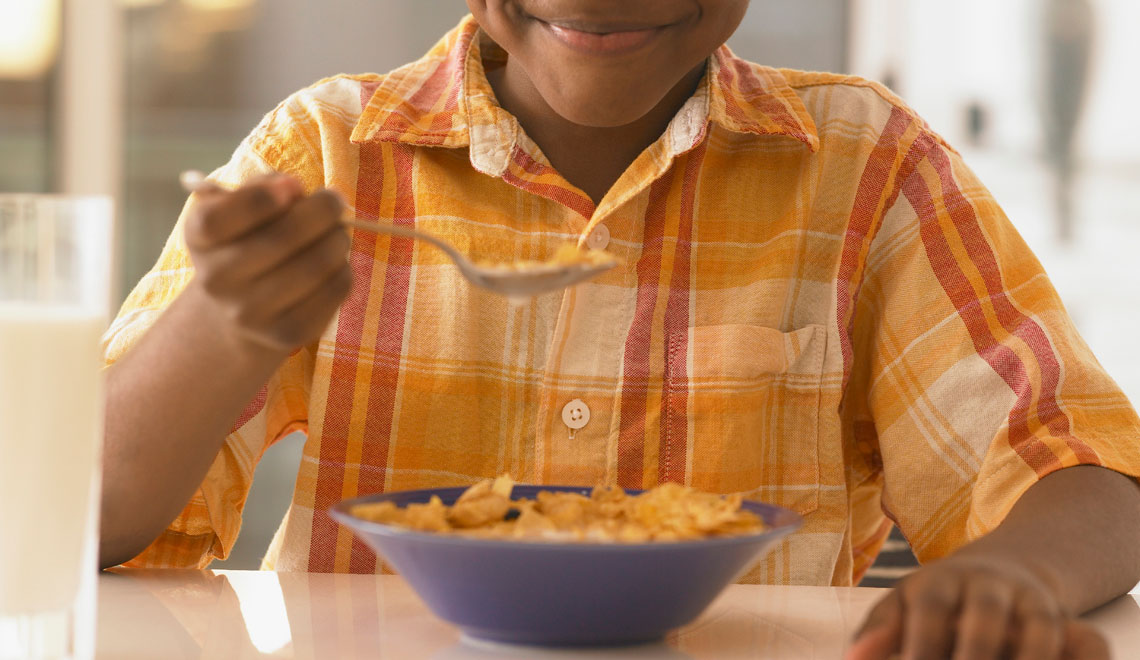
x,y
820,307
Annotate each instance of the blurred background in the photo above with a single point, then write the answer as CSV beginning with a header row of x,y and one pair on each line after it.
x,y
118,96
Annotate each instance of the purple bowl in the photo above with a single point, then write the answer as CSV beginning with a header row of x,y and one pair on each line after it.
x,y
562,594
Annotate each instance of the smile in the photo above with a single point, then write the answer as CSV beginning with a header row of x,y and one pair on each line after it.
x,y
601,39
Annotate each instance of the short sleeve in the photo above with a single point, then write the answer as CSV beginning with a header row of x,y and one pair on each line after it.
x,y
974,377
208,526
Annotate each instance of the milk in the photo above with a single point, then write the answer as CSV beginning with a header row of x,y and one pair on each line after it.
x,y
50,443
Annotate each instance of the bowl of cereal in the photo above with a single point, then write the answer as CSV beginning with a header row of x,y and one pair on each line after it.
x,y
565,565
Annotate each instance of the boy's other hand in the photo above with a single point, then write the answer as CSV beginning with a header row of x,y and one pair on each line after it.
x,y
975,606
271,261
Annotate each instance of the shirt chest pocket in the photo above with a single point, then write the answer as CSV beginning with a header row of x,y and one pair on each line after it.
x,y
742,411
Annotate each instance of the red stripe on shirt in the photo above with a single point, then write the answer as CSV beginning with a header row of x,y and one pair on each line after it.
x,y
367,91
252,408
635,374
442,123
1000,357
731,108
1011,319
342,379
671,460
379,425
868,207
567,197
446,78
753,89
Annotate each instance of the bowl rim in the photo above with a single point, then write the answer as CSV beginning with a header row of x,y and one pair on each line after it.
x,y
340,513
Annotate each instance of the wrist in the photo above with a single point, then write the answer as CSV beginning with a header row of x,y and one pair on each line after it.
x,y
1051,577
235,346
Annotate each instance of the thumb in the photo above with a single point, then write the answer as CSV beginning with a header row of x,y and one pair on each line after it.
x,y
881,633
1083,642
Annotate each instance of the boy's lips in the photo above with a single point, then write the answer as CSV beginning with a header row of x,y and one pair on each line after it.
x,y
602,39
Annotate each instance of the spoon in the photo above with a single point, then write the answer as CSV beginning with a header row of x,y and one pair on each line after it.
x,y
516,283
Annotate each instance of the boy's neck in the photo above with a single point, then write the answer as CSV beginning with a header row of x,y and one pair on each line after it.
x,y
588,157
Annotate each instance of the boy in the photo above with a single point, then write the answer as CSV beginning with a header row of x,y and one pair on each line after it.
x,y
820,307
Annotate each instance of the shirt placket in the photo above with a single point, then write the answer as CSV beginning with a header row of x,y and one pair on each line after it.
x,y
582,369
576,425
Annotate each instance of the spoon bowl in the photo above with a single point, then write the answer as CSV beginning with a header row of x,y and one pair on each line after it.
x,y
515,283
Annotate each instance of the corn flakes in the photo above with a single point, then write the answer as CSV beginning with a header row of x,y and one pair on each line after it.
x,y
669,512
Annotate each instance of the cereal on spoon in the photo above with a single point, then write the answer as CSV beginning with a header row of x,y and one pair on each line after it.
x,y
567,254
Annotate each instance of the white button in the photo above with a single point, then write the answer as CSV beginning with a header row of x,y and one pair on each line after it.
x,y
599,238
576,414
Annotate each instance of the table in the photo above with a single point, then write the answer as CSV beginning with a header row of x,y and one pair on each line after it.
x,y
251,614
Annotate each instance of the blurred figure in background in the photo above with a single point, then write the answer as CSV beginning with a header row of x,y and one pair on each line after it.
x,y
1069,35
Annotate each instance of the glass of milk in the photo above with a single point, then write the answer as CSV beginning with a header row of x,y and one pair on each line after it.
x,y
55,265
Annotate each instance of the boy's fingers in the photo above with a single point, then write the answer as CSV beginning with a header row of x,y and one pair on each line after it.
x,y
306,321
874,644
275,244
1083,642
1041,631
931,604
223,217
300,278
305,223
880,635
984,620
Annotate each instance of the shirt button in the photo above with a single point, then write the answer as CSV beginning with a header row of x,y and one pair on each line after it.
x,y
599,238
575,414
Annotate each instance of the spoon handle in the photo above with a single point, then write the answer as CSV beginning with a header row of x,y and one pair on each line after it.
x,y
407,232
194,181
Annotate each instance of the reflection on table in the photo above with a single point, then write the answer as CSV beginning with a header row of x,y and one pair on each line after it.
x,y
250,614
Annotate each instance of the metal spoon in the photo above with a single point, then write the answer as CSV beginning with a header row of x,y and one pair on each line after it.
x,y
517,284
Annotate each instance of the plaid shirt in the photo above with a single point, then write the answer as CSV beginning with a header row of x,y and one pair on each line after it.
x,y
820,307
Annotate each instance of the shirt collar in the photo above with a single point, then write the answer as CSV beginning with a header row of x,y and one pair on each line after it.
x,y
748,98
444,100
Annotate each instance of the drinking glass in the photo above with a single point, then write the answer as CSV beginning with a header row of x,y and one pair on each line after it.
x,y
55,264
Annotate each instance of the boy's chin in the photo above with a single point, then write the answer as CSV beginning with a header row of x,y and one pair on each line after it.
x,y
589,111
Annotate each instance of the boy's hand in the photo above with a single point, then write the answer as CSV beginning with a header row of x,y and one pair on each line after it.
x,y
271,260
975,606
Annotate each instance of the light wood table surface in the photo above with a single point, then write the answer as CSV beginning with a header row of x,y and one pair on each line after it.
x,y
250,614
